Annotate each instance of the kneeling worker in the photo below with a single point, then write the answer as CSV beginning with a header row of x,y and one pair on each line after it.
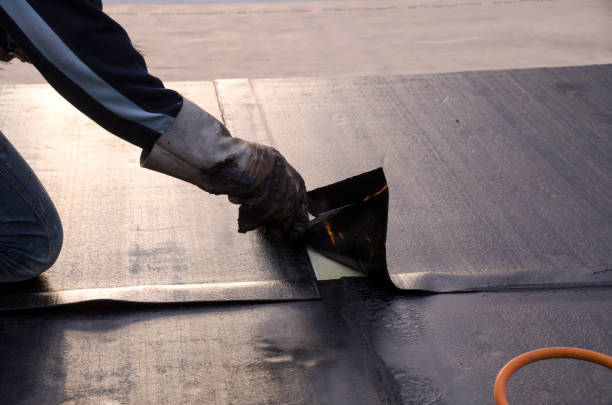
x,y
89,59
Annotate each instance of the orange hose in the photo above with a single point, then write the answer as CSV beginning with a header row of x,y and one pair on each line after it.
x,y
499,389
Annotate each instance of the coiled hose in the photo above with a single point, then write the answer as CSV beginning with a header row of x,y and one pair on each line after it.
x,y
499,389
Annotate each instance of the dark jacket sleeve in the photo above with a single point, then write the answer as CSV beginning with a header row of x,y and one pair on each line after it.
x,y
89,59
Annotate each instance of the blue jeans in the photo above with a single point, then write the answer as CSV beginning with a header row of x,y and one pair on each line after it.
x,y
30,228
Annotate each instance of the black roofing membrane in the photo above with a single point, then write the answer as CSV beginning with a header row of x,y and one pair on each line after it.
x,y
356,236
132,234
497,179
363,342
360,344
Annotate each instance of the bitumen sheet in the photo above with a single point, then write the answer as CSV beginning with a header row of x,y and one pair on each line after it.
x,y
360,344
497,180
130,233
133,235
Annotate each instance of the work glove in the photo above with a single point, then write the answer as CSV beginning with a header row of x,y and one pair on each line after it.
x,y
197,148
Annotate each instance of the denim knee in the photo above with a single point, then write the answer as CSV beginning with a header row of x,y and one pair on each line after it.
x,y
32,249
30,228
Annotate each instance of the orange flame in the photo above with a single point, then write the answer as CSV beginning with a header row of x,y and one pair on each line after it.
x,y
368,238
329,232
377,193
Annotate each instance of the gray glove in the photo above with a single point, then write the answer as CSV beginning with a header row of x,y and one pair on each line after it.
x,y
197,148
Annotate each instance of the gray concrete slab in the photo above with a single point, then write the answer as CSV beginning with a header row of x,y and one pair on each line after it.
x,y
497,180
330,38
145,236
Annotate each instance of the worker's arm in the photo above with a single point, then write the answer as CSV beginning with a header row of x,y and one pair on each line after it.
x,y
89,59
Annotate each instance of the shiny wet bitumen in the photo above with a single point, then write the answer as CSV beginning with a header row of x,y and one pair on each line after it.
x,y
362,343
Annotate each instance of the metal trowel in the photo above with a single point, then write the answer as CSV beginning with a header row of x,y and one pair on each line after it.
x,y
349,222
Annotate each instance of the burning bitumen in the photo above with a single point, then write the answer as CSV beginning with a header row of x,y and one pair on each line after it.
x,y
357,235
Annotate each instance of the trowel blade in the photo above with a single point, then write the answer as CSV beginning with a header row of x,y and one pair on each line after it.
x,y
350,224
327,215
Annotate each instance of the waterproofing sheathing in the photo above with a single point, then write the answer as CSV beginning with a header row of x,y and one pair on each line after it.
x,y
132,234
497,179
360,344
